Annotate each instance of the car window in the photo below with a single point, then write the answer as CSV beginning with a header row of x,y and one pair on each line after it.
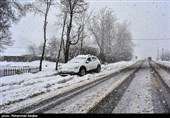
x,y
89,59
94,58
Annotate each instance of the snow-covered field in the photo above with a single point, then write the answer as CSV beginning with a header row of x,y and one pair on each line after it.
x,y
25,89
46,64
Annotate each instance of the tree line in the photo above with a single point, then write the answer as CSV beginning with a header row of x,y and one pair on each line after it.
x,y
111,38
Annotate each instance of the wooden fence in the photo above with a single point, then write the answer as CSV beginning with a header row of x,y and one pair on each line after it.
x,y
13,70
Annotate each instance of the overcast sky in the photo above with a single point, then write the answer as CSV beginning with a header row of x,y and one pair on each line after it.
x,y
149,24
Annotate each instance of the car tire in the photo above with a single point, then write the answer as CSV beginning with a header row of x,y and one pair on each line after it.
x,y
98,69
82,71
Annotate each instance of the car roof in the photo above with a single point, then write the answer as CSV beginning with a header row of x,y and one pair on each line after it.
x,y
85,55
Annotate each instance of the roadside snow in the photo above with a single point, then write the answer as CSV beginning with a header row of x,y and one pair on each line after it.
x,y
28,89
25,89
165,63
165,76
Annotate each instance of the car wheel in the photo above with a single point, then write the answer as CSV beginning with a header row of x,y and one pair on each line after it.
x,y
98,69
82,71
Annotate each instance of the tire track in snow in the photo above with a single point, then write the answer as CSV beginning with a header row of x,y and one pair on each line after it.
x,y
138,96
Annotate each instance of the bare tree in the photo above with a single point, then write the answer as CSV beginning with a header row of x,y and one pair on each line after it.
x,y
42,7
123,47
82,20
74,50
52,47
40,49
48,4
72,7
10,12
62,39
76,34
102,28
113,38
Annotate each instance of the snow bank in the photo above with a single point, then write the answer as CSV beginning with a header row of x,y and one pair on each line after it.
x,y
165,63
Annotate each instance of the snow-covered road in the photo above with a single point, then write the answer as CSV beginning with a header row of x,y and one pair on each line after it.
x,y
87,99
137,98
141,95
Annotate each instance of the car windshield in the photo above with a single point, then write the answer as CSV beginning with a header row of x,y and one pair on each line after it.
x,y
78,59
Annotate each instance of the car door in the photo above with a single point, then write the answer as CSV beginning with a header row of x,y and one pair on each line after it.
x,y
89,65
94,63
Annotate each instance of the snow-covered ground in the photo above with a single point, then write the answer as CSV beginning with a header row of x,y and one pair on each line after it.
x,y
46,64
164,74
165,63
25,89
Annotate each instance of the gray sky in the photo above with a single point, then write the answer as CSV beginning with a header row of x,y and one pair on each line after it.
x,y
149,24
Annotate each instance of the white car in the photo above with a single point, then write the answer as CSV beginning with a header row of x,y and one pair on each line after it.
x,y
81,65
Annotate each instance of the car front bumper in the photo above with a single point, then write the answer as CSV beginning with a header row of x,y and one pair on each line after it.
x,y
70,71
